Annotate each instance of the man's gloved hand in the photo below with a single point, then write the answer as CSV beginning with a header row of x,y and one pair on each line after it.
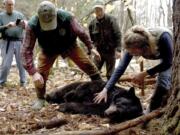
x,y
38,80
96,54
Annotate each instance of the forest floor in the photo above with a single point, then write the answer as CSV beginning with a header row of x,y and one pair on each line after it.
x,y
17,116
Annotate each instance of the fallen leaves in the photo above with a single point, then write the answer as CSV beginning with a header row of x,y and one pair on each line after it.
x,y
17,117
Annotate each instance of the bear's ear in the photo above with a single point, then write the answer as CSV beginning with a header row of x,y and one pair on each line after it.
x,y
131,91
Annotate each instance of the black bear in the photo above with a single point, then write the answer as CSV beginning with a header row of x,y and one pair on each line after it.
x,y
78,97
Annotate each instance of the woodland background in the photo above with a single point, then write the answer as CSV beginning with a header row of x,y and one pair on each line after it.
x,y
16,115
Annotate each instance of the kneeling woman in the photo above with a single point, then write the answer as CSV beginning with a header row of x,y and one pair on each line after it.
x,y
154,43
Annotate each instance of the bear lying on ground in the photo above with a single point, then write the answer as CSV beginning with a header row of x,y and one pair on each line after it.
x,y
78,97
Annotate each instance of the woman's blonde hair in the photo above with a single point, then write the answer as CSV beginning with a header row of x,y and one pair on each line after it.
x,y
138,36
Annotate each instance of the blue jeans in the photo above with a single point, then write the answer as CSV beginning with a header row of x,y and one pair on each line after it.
x,y
7,58
162,91
164,79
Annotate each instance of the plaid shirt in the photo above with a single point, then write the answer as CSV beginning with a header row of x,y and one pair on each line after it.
x,y
30,39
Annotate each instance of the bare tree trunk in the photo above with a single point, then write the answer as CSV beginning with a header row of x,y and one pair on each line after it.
x,y
169,14
171,123
129,15
161,14
120,17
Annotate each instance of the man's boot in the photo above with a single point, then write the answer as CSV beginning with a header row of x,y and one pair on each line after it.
x,y
159,98
38,104
40,101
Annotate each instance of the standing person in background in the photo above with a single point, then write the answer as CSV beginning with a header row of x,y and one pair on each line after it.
x,y
56,31
106,36
152,43
12,24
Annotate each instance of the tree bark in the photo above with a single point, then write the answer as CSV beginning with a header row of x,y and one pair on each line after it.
x,y
171,124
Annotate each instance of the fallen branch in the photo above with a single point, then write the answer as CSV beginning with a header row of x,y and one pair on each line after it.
x,y
141,70
147,81
117,128
49,124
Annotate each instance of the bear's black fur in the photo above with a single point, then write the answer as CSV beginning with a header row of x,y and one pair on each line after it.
x,y
78,97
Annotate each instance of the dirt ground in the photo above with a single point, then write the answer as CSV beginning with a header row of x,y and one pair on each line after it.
x,y
17,117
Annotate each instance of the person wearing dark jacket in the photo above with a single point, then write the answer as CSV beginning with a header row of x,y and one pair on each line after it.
x,y
56,31
152,43
106,36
